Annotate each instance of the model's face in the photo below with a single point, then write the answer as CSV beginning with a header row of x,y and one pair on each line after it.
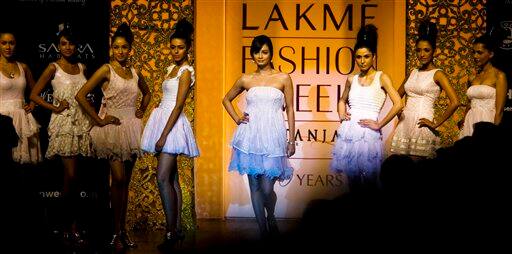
x,y
425,52
7,45
66,48
481,54
364,59
178,49
121,49
263,57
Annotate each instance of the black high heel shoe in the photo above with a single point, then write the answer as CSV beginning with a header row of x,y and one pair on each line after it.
x,y
74,239
180,236
170,240
127,240
272,226
116,242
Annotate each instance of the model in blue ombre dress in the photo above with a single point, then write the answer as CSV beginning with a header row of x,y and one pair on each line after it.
x,y
260,146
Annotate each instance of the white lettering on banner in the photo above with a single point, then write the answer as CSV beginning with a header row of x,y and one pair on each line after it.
x,y
58,194
51,51
49,194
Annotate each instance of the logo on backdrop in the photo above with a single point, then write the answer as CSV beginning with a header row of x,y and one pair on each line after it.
x,y
507,41
50,51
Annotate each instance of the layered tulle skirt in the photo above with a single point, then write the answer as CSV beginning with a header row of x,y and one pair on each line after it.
x,y
118,142
180,140
69,133
28,149
357,151
259,147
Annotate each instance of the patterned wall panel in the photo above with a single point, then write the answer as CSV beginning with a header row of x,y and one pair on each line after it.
x,y
152,23
459,22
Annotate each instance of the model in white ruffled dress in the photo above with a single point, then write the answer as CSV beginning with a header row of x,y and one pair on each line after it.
x,y
119,141
181,138
168,134
260,145
69,126
14,77
12,104
118,129
358,151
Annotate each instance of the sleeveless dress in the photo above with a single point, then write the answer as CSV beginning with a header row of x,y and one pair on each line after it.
x,y
259,146
118,142
409,139
483,107
181,138
12,98
69,129
358,150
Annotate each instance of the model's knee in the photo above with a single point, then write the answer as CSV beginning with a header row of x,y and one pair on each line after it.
x,y
162,181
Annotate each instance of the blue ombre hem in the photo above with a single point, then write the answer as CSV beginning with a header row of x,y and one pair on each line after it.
x,y
259,164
